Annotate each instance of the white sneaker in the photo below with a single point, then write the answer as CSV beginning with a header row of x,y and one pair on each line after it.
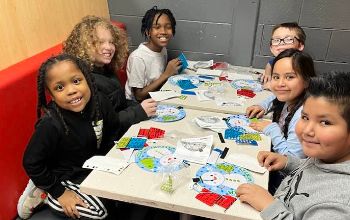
x,y
31,198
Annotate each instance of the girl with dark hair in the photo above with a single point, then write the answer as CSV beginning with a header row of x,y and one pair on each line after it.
x,y
292,71
68,133
146,65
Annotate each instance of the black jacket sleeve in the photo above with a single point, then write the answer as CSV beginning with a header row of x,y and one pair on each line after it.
x,y
129,112
37,155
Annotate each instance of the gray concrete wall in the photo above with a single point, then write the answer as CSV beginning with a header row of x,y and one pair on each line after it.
x,y
325,22
223,30
238,31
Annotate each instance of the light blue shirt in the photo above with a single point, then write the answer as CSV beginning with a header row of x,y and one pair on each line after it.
x,y
281,145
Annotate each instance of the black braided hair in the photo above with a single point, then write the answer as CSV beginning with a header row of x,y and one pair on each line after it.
x,y
41,86
303,66
148,19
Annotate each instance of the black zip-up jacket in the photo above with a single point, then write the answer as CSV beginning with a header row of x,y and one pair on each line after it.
x,y
130,112
52,156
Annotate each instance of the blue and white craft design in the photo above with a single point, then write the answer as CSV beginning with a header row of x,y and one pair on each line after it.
x,y
184,63
240,121
153,158
223,178
247,84
168,113
196,81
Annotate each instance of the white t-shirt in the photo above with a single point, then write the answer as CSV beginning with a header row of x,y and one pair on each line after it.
x,y
144,67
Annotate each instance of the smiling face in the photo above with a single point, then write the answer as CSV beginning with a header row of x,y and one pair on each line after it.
x,y
213,178
286,84
283,32
67,86
323,132
160,33
105,47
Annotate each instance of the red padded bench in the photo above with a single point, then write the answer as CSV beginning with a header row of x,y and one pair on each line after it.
x,y
18,97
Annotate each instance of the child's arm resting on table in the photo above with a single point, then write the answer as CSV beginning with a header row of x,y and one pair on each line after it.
x,y
171,69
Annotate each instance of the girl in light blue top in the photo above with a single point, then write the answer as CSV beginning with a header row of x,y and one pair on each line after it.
x,y
291,74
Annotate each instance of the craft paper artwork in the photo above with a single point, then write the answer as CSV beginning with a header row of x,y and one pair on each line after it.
x,y
184,63
205,95
241,121
186,84
211,122
153,158
195,80
247,84
106,164
245,161
210,198
196,150
151,133
223,178
168,113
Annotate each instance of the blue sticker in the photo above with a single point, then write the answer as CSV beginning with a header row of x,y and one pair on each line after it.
x,y
247,84
245,141
184,63
184,92
186,84
168,113
153,158
194,79
136,143
234,133
223,178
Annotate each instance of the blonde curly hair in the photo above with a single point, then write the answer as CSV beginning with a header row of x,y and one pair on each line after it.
x,y
83,41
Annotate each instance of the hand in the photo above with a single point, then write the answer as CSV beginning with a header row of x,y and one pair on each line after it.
x,y
272,161
267,86
254,110
173,67
264,78
259,125
150,106
68,200
256,196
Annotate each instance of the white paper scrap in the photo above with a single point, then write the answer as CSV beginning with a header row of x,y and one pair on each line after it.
x,y
163,95
214,156
228,102
245,161
107,164
127,153
209,72
233,76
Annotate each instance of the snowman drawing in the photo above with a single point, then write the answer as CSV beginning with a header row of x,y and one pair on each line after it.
x,y
219,180
167,111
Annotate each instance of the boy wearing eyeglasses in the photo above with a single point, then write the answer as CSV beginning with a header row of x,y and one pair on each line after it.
x,y
284,36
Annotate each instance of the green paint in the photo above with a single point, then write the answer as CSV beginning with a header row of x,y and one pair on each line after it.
x,y
148,163
226,168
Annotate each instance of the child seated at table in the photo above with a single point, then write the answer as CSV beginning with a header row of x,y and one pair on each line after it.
x,y
316,187
291,74
76,124
284,36
145,66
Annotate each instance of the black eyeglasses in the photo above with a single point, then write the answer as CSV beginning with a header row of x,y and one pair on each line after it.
x,y
286,40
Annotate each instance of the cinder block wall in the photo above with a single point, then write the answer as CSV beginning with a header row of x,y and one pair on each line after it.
x,y
223,30
238,31
325,22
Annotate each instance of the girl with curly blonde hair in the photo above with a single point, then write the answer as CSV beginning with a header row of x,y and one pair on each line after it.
x,y
104,47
